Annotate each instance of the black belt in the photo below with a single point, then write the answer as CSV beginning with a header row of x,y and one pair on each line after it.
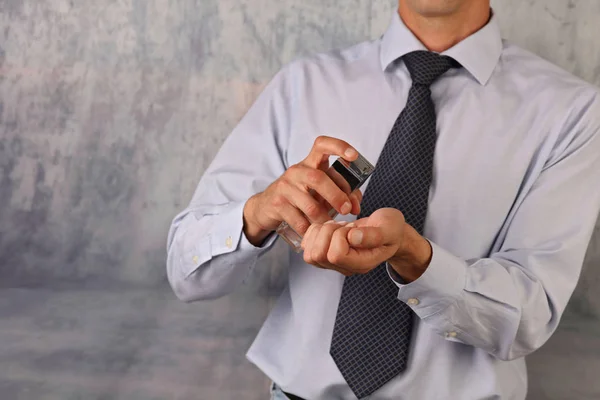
x,y
292,396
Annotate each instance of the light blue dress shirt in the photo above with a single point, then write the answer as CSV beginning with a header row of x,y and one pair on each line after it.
x,y
513,202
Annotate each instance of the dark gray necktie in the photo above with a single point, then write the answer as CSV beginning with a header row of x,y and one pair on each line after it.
x,y
372,329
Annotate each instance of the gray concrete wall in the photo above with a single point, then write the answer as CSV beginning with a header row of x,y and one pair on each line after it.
x,y
110,111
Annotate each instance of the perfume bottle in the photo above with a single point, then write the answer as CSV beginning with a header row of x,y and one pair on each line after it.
x,y
355,173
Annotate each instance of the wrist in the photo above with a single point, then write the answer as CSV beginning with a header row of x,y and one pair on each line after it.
x,y
252,229
413,255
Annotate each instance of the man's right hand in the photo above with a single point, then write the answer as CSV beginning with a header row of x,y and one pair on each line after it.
x,y
290,197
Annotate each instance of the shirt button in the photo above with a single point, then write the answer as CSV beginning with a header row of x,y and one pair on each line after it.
x,y
229,242
195,259
451,334
413,302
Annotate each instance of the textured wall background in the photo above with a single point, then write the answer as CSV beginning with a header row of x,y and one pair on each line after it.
x,y
109,113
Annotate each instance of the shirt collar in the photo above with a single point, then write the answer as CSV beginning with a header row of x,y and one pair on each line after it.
x,y
478,53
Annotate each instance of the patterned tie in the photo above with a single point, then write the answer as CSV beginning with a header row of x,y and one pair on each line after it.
x,y
372,329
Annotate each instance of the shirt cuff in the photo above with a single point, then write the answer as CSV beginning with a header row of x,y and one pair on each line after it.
x,y
437,288
227,238
245,245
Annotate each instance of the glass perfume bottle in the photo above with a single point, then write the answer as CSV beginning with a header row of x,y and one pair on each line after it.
x,y
355,173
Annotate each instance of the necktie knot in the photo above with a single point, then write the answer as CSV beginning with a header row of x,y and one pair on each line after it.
x,y
425,67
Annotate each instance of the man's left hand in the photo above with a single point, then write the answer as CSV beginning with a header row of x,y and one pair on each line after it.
x,y
359,247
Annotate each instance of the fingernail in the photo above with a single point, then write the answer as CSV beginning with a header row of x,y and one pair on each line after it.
x,y
350,225
356,237
346,208
350,152
329,222
342,223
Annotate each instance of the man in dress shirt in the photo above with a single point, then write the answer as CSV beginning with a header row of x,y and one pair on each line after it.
x,y
512,202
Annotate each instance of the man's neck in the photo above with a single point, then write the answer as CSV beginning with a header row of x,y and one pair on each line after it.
x,y
439,33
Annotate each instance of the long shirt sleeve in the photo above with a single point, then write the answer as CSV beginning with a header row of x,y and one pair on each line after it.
x,y
208,253
510,303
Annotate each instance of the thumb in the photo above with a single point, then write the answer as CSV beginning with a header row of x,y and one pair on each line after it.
x,y
366,237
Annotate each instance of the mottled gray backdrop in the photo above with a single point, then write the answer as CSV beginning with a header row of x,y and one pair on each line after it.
x,y
109,112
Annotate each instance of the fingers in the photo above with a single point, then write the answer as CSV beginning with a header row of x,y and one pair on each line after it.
x,y
307,204
322,241
339,180
289,213
368,248
361,261
310,178
356,199
307,241
362,222
366,237
316,244
384,227
287,199
324,147
329,246
326,246
339,248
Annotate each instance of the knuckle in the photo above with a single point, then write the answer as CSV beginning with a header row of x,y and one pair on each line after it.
x,y
278,188
290,173
280,184
291,170
335,257
319,256
313,210
307,258
315,176
278,200
339,237
320,140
